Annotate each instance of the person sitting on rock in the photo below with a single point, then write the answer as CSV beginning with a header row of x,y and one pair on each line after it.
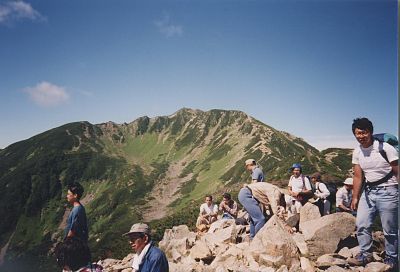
x,y
208,213
321,193
344,196
148,257
228,207
300,189
73,254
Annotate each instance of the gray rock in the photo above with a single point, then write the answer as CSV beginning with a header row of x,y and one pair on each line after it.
x,y
335,268
328,260
376,267
301,243
274,245
306,265
322,235
345,252
308,212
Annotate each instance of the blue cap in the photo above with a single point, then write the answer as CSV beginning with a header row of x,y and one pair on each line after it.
x,y
296,165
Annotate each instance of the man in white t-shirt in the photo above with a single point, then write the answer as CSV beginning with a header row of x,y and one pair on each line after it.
x,y
378,163
208,212
299,189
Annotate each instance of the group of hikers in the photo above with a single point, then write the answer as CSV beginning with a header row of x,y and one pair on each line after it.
x,y
372,191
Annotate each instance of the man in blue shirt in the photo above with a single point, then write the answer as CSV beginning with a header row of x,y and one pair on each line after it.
x,y
77,222
148,257
256,173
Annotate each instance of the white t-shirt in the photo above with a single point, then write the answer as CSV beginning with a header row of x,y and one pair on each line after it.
x,y
321,190
205,209
343,197
374,166
297,183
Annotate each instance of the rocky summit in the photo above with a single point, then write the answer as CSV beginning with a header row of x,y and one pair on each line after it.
x,y
227,247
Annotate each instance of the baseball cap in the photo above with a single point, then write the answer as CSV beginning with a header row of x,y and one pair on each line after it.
x,y
138,228
316,175
349,181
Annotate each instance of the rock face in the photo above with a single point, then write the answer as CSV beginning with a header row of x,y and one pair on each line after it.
x,y
274,248
323,235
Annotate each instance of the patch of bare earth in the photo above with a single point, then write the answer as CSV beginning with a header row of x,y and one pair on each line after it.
x,y
164,193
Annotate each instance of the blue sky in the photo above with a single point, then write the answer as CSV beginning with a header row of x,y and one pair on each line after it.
x,y
305,67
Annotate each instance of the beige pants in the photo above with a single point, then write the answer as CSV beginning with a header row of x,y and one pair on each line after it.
x,y
207,220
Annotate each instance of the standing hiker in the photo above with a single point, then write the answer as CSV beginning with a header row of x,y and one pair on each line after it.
x,y
378,163
257,174
299,189
76,222
321,192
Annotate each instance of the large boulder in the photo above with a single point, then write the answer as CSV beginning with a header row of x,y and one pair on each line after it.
x,y
307,213
323,235
273,246
177,242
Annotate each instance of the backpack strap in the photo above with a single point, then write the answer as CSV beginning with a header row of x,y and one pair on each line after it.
x,y
383,152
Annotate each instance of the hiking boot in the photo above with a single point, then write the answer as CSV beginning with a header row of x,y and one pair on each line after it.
x,y
394,265
360,260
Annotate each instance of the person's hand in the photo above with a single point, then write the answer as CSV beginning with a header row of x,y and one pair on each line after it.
x,y
354,204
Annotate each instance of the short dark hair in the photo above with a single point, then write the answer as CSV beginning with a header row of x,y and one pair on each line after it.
x,y
72,252
363,124
227,196
76,188
210,196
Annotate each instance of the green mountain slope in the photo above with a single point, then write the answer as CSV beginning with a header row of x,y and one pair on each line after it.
x,y
153,169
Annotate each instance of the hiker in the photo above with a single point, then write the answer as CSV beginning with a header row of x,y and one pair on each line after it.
x,y
321,193
148,257
261,200
228,207
378,163
257,174
208,213
76,222
344,196
299,189
73,254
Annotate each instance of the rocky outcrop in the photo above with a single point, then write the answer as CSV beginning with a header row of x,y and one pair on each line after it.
x,y
323,235
274,248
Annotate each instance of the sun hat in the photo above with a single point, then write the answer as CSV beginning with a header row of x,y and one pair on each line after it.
x,y
138,228
349,181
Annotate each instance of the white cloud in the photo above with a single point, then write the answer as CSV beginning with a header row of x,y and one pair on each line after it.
x,y
46,94
168,29
18,10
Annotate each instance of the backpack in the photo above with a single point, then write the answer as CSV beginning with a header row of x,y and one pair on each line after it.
x,y
386,138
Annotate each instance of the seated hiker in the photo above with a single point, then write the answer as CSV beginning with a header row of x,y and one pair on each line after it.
x,y
344,196
299,189
147,257
321,193
228,207
73,254
208,212
261,200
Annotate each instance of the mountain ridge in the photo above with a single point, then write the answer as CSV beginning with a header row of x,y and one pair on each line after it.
x,y
127,169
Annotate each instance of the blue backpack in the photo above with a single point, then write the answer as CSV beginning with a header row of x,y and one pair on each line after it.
x,y
386,138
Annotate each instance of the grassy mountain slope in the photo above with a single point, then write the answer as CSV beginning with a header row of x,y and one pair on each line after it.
x,y
153,168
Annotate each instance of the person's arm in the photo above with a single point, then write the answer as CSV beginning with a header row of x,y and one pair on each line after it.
x,y
395,168
357,185
322,191
307,191
234,210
